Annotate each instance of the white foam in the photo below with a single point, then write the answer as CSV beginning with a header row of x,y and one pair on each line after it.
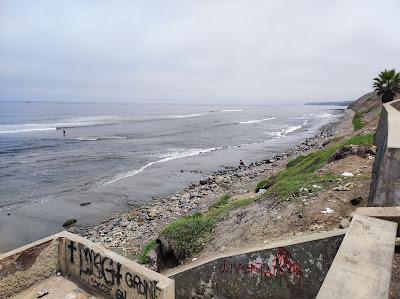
x,y
185,115
101,138
324,115
64,123
255,121
285,131
231,110
164,158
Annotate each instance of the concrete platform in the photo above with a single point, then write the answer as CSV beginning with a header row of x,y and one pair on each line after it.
x,y
384,213
58,288
363,264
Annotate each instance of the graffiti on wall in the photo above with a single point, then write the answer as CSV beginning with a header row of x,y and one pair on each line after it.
x,y
107,276
280,265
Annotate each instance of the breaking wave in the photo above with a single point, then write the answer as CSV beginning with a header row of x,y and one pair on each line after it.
x,y
165,157
256,121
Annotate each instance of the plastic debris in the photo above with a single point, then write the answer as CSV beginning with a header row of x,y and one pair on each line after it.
x,y
327,211
347,174
42,293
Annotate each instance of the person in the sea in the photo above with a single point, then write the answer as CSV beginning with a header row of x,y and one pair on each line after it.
x,y
241,163
63,132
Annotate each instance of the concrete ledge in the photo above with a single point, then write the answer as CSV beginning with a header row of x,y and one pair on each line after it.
x,y
384,213
92,267
28,265
363,264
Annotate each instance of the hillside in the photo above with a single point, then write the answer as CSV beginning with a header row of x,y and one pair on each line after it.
x,y
299,192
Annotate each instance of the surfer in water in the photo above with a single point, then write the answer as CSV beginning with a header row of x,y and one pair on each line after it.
x,y
64,132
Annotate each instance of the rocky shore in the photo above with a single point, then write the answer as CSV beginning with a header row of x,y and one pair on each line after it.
x,y
126,233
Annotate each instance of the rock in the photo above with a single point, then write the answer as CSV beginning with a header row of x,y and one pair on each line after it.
x,y
124,223
344,223
359,150
151,214
203,181
261,191
303,190
316,226
341,188
355,201
69,222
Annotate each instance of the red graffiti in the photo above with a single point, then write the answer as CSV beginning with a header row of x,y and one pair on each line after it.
x,y
282,266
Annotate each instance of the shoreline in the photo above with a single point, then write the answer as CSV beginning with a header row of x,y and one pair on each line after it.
x,y
127,232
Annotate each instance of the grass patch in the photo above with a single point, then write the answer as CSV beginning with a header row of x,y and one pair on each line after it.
x,y
366,139
300,172
223,200
358,123
143,258
191,233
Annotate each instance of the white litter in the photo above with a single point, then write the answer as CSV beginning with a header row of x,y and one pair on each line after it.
x,y
327,211
347,174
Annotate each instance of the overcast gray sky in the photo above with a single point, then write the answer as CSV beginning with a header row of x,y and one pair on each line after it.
x,y
205,51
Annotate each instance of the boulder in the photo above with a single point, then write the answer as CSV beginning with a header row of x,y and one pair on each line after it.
x,y
348,150
69,222
203,181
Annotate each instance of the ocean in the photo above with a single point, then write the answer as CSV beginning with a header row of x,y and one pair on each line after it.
x,y
118,155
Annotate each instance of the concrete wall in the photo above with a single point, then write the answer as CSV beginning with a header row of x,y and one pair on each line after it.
x,y
24,267
385,185
94,268
290,269
110,274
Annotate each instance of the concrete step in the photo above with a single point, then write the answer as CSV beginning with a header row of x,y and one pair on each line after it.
x,y
363,264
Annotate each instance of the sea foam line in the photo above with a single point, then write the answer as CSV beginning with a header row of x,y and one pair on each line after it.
x,y
167,157
255,121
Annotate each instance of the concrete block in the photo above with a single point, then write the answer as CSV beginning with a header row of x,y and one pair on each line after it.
x,y
363,265
384,213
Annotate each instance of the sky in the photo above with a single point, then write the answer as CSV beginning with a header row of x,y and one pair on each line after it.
x,y
207,51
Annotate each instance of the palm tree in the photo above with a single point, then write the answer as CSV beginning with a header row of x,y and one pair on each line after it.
x,y
387,84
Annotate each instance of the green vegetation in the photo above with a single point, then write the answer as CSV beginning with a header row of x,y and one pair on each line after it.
x,y
366,139
357,121
191,233
223,200
69,222
387,84
143,258
300,172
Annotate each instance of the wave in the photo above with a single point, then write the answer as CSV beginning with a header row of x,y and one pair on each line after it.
x,y
7,129
165,157
66,123
86,121
324,115
231,110
100,138
256,121
185,115
286,131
